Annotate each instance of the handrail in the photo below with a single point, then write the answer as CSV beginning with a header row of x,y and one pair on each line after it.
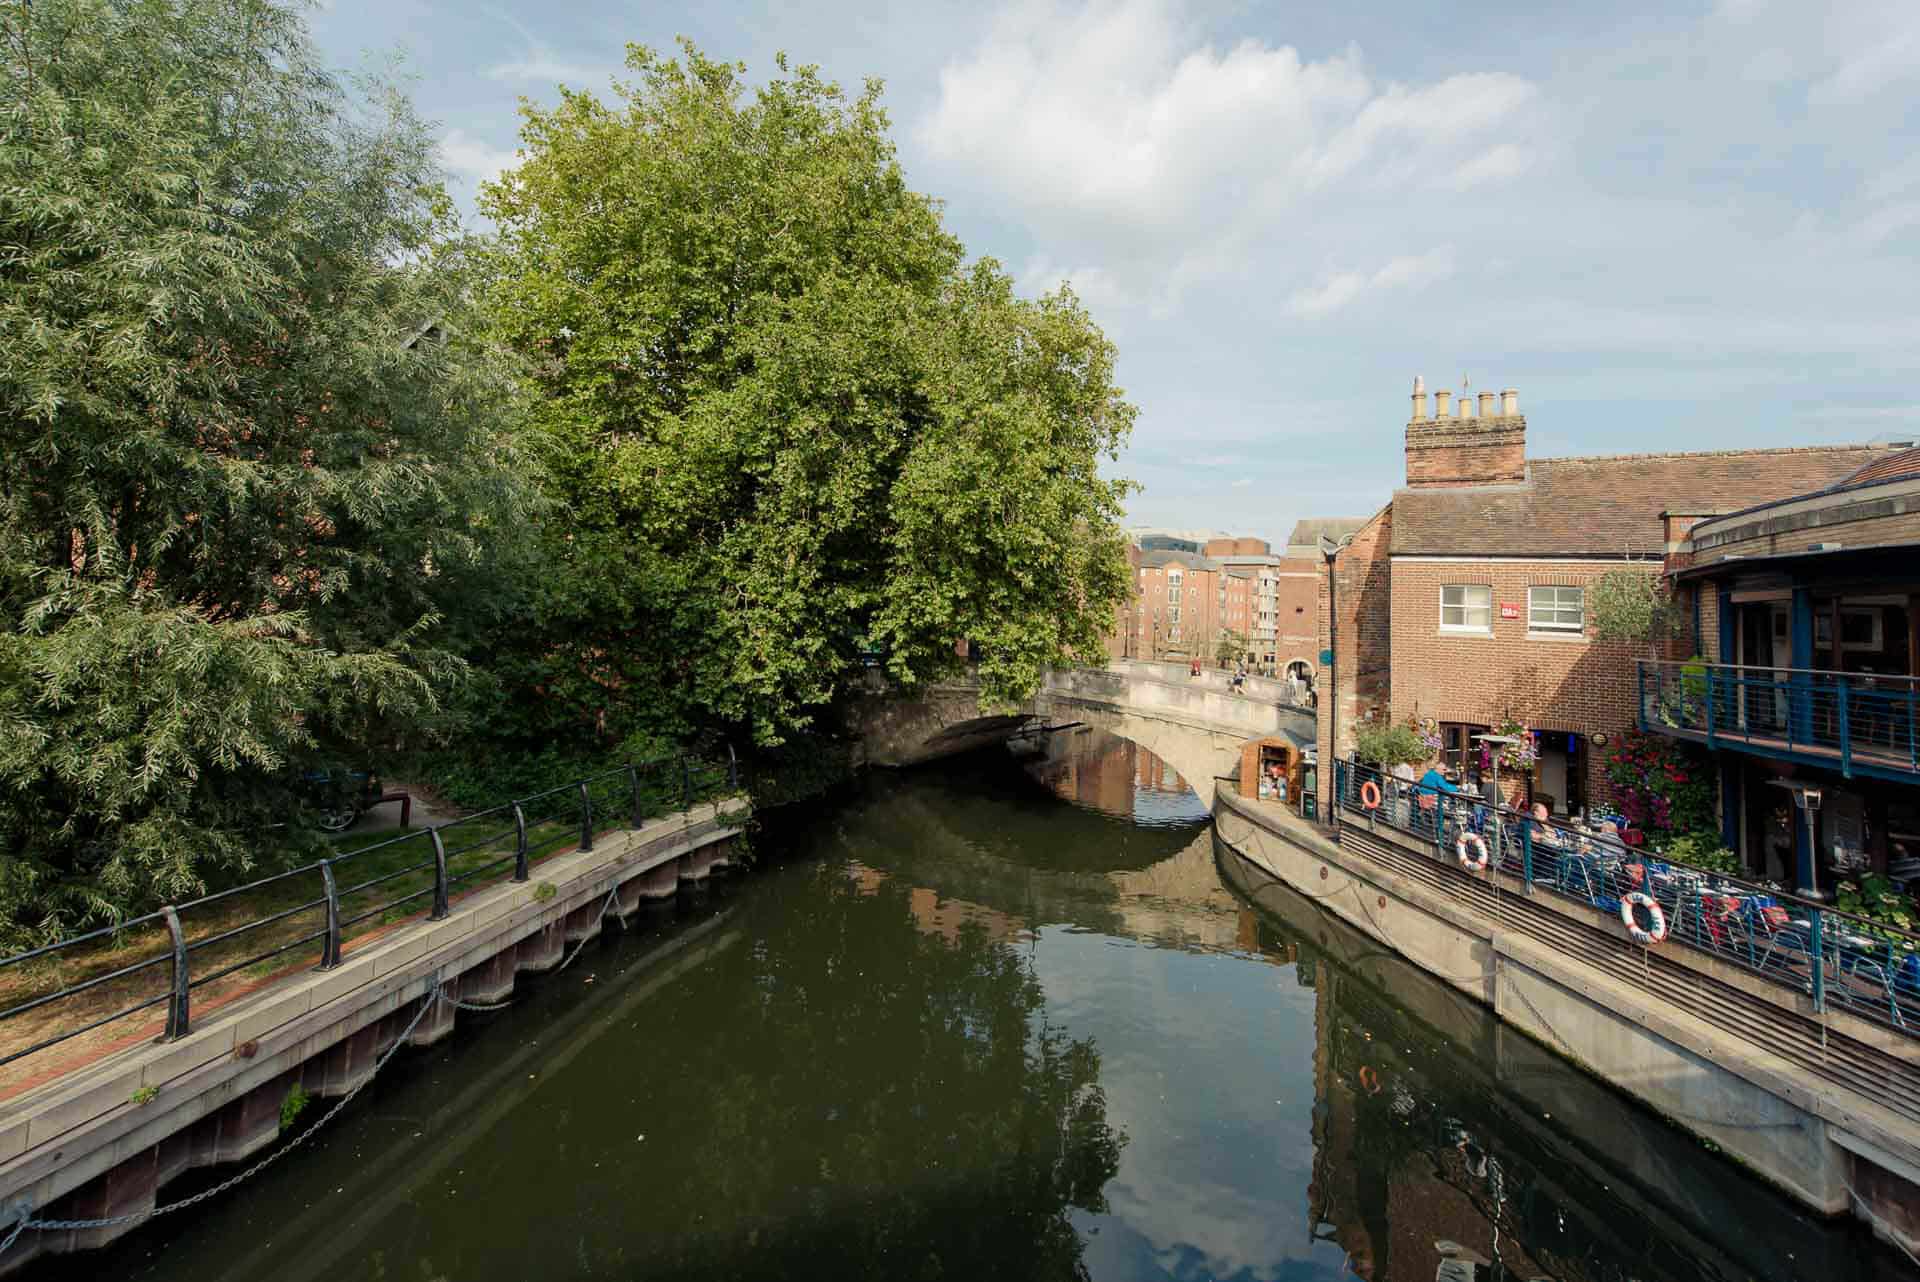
x,y
577,818
1834,957
1698,665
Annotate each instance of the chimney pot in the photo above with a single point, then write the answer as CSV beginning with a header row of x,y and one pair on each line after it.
x,y
1509,403
1442,403
1486,405
1463,408
1419,398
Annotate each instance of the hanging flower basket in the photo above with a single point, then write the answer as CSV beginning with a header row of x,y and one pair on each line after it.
x,y
1520,756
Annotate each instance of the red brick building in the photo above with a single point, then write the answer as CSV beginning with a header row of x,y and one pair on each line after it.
x,y
1465,601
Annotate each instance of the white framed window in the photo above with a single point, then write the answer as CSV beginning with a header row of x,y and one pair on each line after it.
x,y
1173,616
1558,610
1466,607
1173,593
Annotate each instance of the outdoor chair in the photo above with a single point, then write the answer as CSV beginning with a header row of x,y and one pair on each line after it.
x,y
1784,934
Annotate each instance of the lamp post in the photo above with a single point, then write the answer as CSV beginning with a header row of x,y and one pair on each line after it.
x,y
1806,805
1329,549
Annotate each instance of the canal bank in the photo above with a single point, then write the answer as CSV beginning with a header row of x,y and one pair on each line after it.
x,y
984,1021
1701,1049
89,1152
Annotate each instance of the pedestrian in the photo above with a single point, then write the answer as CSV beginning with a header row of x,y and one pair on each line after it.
x,y
1403,778
1193,669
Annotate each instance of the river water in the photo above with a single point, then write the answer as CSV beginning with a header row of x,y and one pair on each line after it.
x,y
988,1020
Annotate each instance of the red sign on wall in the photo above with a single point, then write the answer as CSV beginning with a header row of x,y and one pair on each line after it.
x,y
1509,610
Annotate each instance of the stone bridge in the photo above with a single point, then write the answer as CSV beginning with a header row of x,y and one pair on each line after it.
x,y
1197,727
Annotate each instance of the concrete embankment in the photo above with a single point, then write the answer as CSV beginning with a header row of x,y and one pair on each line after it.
x,y
102,1141
1713,1052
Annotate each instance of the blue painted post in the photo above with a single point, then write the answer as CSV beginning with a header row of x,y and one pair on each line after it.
x,y
1817,961
1526,854
1730,802
1803,873
1846,739
1800,697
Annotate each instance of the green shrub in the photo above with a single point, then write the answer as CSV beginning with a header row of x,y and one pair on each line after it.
x,y
293,1105
1385,745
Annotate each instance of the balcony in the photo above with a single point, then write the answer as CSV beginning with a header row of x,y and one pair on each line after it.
x,y
1856,723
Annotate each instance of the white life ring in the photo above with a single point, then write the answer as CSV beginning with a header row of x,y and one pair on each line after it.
x,y
1477,842
1659,931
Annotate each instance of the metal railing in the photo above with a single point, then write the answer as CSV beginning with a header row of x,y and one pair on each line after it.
x,y
1852,721
1839,959
381,882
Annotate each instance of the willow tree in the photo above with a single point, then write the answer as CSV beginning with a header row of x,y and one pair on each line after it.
x,y
249,466
792,427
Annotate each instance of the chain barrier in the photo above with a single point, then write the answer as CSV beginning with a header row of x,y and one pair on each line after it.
x,y
26,1221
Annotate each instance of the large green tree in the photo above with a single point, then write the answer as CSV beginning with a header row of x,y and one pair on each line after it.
x,y
790,425
251,469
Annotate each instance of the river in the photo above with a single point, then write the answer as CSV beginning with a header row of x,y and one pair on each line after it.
x,y
983,1020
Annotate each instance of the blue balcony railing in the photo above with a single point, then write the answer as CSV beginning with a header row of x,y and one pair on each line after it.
x,y
1839,960
1853,722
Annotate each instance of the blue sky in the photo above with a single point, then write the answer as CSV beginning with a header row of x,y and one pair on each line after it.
x,y
1691,227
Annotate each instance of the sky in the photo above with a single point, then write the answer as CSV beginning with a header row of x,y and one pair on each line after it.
x,y
1694,226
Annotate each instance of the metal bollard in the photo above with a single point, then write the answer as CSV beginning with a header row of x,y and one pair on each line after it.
x,y
330,942
439,876
586,817
519,843
177,1001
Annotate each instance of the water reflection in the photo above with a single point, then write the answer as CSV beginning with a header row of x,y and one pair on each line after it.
x,y
1104,772
1447,1146
951,1027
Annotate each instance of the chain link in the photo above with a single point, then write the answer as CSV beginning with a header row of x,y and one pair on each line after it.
x,y
612,900
435,996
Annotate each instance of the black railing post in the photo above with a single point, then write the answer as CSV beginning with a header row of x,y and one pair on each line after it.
x,y
686,784
520,872
733,770
177,1001
586,817
633,781
330,942
439,876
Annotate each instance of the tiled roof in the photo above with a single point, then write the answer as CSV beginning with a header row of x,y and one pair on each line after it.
x,y
1892,467
1156,559
1609,505
1306,534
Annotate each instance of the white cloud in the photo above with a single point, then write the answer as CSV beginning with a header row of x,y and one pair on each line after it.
x,y
1338,290
539,63
1171,162
473,158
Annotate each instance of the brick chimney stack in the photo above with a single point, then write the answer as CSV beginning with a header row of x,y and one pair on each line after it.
x,y
1488,448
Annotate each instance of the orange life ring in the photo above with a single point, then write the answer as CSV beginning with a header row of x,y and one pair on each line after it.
x,y
1479,843
1640,936
1369,1080
1370,795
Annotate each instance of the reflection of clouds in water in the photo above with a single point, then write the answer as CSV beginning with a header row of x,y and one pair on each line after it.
x,y
1208,1068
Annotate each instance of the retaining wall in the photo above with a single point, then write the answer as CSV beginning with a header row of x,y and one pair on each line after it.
x,y
1831,1148
83,1147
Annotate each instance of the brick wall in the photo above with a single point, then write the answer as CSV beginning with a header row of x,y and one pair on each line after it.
x,y
1466,451
1363,656
1577,685
1297,612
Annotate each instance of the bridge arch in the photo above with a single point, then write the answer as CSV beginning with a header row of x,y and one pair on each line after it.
x,y
1196,728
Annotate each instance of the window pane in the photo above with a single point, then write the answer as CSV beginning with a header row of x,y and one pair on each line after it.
x,y
1466,605
1556,609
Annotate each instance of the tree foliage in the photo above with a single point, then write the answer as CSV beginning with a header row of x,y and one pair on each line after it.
x,y
789,425
248,463
1634,605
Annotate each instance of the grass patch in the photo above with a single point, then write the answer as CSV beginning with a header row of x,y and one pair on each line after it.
x,y
293,1105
